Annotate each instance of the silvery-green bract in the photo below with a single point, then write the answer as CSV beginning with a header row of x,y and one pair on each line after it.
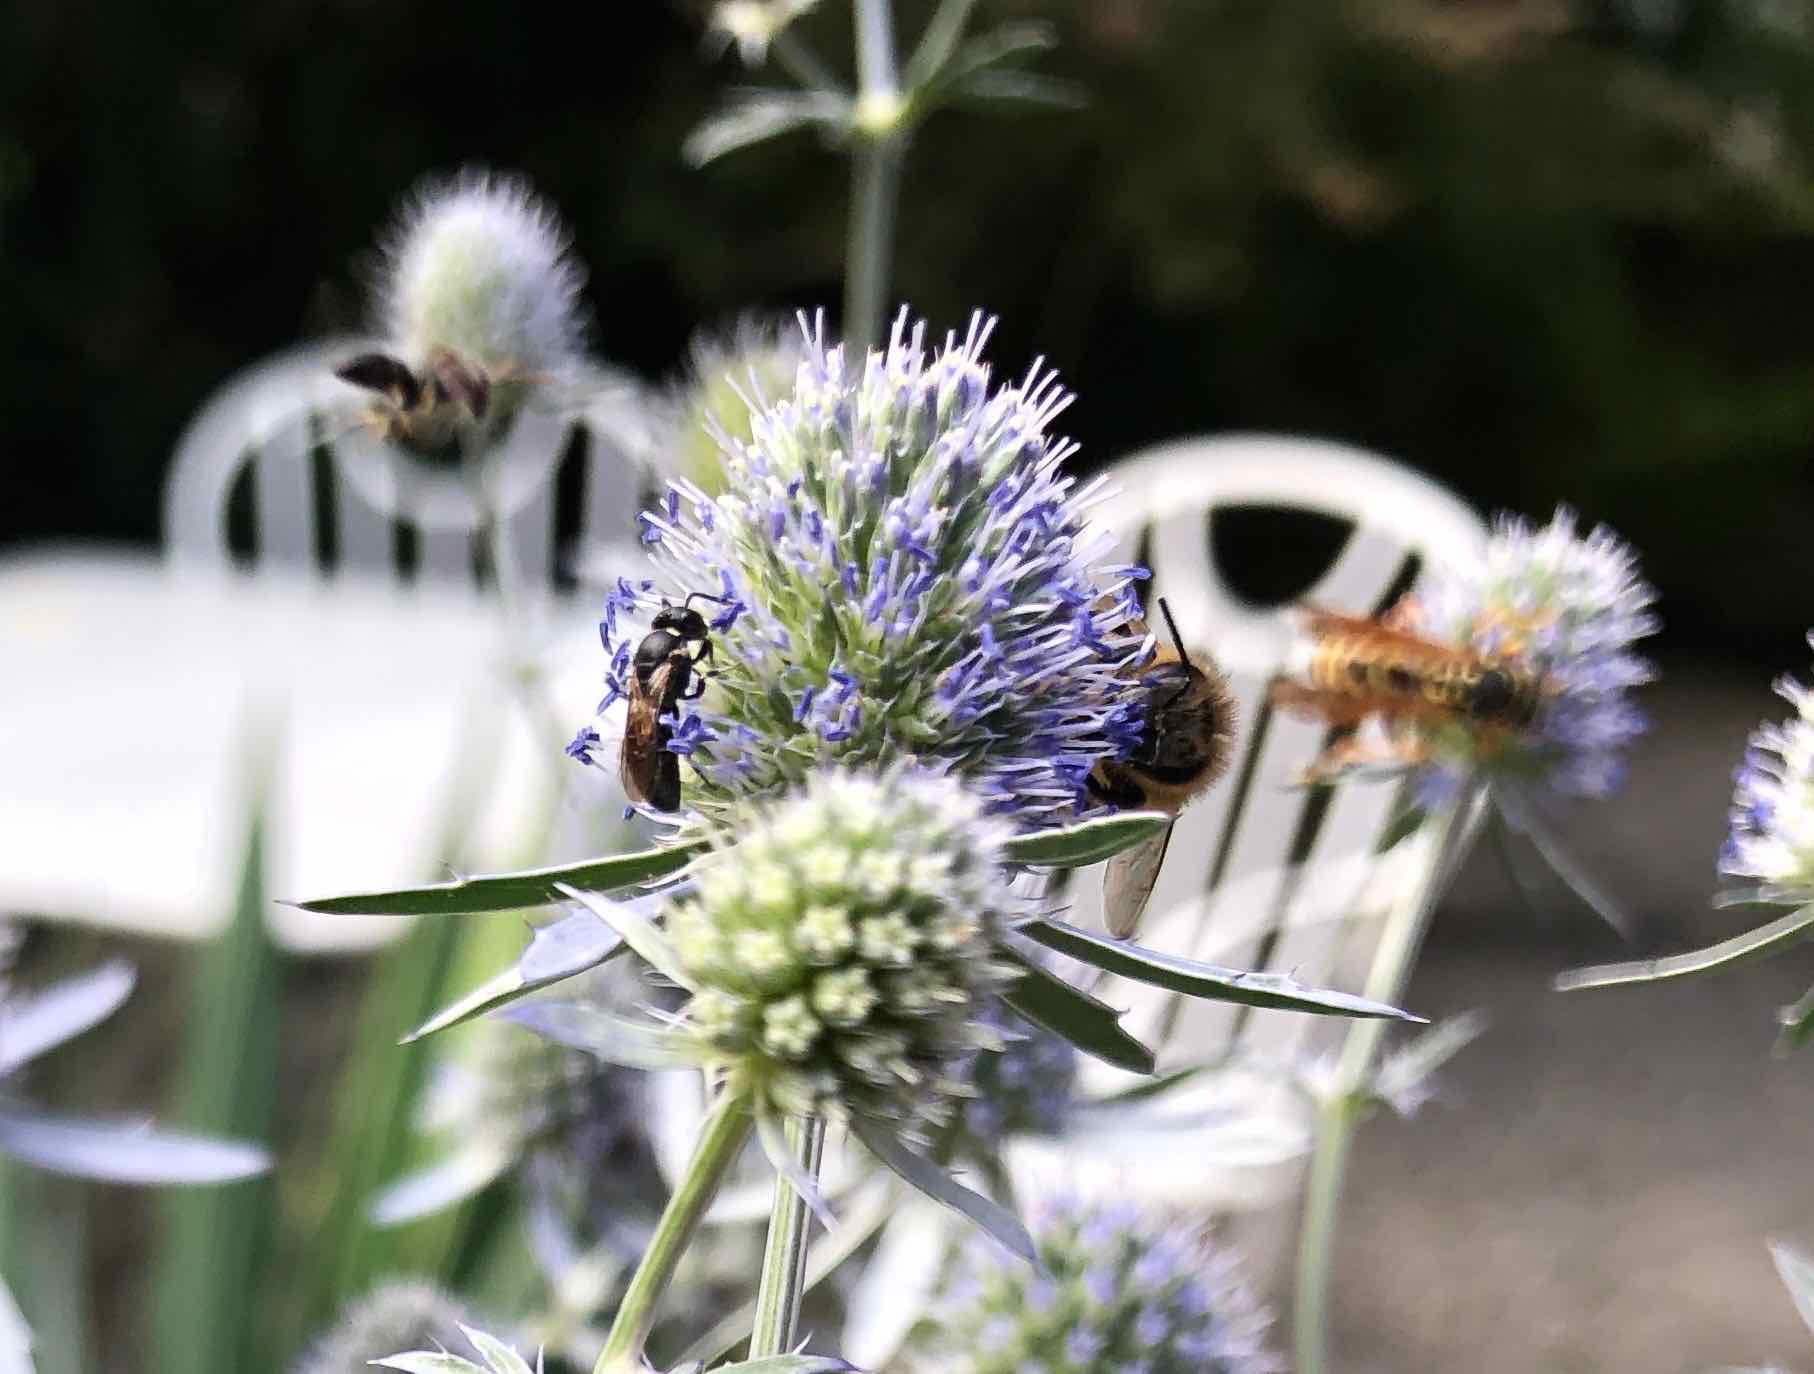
x,y
1565,607
399,1314
1115,1293
1771,840
902,569
840,945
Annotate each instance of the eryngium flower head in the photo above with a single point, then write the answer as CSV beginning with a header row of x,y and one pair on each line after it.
x,y
903,571
840,944
478,267
399,1314
1119,1294
1027,1088
729,380
1567,609
1771,840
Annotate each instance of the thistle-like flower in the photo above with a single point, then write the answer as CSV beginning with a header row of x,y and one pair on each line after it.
x,y
1567,610
1771,839
900,569
479,310
399,1314
1115,1294
479,266
840,946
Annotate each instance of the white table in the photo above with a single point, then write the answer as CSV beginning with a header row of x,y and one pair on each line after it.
x,y
132,696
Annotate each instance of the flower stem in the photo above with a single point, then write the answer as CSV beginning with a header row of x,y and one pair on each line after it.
x,y
784,1259
1336,1115
726,1127
875,186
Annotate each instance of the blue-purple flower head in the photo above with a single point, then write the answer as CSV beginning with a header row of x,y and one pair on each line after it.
x,y
1566,608
1771,840
1028,1087
1116,1293
901,567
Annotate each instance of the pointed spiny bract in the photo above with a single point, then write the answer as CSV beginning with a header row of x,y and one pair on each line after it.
x,y
479,266
842,971
903,570
1116,1293
1565,607
1771,837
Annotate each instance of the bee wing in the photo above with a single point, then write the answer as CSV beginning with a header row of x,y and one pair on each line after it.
x,y
639,762
1384,632
1128,882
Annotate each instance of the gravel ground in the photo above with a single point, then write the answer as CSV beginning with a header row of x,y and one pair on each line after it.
x,y
1593,1188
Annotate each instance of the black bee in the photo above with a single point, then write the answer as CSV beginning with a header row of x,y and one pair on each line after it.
x,y
663,671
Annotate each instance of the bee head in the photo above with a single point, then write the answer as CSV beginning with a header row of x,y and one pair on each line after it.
x,y
1499,695
681,621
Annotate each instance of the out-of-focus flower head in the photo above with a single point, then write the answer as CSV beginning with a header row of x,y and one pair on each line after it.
x,y
730,378
1027,1088
1566,608
1771,837
903,570
478,266
1115,1292
753,24
840,945
399,1314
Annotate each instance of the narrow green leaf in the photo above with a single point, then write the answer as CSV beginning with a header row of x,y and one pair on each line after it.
x,y
1753,944
557,951
510,891
936,1184
614,1039
638,932
1209,981
789,1364
495,1353
1087,842
1092,1026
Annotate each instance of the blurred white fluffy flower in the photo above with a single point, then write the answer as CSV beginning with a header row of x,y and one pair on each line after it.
x,y
1771,840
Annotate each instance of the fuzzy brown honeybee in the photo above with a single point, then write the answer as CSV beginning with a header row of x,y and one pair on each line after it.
x,y
1357,668
1185,747
664,670
423,411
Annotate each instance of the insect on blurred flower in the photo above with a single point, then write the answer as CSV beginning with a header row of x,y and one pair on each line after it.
x,y
1567,609
479,310
1115,1292
903,569
1771,838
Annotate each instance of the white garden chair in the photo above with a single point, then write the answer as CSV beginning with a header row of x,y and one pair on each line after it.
x,y
326,494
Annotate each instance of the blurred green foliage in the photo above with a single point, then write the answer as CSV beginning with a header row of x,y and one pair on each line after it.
x,y
1542,250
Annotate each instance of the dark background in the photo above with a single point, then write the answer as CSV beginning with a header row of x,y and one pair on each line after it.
x,y
1541,250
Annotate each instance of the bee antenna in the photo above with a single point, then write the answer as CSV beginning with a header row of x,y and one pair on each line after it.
x,y
707,596
1177,639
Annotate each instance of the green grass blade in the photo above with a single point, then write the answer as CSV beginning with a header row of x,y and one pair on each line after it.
x,y
204,1313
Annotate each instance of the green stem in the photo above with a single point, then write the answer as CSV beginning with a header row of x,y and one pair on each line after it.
x,y
726,1127
875,175
1336,1117
784,1259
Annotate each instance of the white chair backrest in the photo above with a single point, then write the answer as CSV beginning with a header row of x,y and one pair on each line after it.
x,y
270,425
1262,873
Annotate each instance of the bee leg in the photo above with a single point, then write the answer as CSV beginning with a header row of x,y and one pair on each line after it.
x,y
1333,708
1354,751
